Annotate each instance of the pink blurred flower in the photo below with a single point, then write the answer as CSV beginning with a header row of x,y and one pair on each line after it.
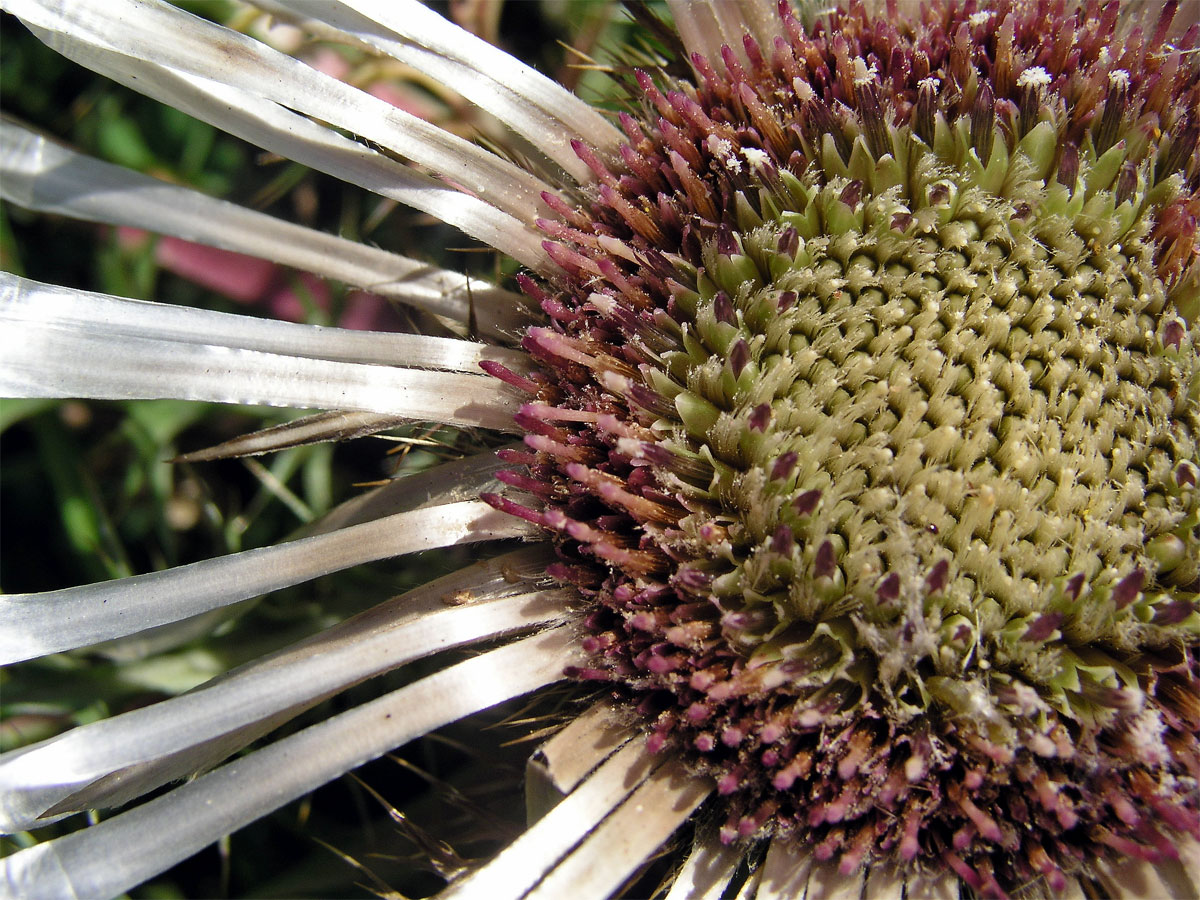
x,y
284,293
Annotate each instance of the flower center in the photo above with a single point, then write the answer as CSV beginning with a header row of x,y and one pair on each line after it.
x,y
868,423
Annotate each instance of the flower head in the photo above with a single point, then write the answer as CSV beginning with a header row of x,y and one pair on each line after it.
x,y
863,414
851,373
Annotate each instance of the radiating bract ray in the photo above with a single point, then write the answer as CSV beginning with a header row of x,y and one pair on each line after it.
x,y
39,174
337,425
535,107
451,482
706,871
30,300
275,128
111,761
33,625
59,342
159,33
706,27
119,853
527,860
626,837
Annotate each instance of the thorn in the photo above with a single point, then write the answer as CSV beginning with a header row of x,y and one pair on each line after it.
x,y
723,309
782,468
889,588
1128,588
826,562
983,123
739,357
806,503
1042,627
938,577
760,417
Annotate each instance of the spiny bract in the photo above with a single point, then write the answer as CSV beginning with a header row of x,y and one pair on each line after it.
x,y
868,421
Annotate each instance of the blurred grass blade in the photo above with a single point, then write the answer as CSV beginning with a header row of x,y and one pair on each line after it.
x,y
14,409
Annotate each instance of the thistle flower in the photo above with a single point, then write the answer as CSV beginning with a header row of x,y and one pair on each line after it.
x,y
862,413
